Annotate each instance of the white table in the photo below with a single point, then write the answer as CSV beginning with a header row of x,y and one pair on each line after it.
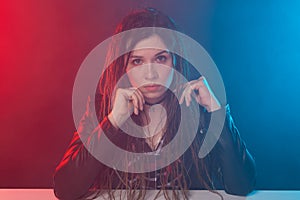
x,y
47,194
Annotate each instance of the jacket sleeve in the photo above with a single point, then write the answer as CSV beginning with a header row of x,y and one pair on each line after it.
x,y
78,170
234,165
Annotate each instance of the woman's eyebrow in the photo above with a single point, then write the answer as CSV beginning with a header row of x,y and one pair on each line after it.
x,y
135,56
164,51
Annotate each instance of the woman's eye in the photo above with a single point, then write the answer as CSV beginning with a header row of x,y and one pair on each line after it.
x,y
136,62
161,59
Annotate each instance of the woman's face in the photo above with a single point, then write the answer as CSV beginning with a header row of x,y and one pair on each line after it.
x,y
150,70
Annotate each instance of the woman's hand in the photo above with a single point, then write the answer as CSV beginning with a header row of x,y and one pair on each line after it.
x,y
202,93
126,101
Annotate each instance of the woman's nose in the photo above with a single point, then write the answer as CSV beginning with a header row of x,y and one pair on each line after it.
x,y
151,72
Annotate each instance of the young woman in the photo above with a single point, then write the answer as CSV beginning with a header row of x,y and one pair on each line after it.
x,y
152,81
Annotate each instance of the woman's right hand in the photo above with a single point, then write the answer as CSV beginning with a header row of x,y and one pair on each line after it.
x,y
126,101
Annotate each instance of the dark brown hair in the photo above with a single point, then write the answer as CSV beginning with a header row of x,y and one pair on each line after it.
x,y
148,17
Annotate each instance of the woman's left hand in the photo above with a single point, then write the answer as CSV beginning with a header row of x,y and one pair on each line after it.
x,y
200,90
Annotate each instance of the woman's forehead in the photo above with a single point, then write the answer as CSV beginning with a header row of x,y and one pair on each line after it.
x,y
152,42
147,51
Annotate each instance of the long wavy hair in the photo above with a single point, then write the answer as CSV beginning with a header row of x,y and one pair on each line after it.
x,y
176,171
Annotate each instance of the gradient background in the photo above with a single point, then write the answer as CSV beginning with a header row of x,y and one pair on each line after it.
x,y
255,44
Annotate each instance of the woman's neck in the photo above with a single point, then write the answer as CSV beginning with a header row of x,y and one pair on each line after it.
x,y
154,120
159,100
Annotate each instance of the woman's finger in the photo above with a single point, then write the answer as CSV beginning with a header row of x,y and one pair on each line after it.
x,y
186,95
193,89
186,100
141,99
135,103
182,96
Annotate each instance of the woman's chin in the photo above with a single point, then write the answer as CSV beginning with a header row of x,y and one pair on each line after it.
x,y
154,99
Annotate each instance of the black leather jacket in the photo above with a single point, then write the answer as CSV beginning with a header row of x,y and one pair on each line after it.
x,y
232,169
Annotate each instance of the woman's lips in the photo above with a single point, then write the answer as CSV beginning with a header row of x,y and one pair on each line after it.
x,y
152,88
